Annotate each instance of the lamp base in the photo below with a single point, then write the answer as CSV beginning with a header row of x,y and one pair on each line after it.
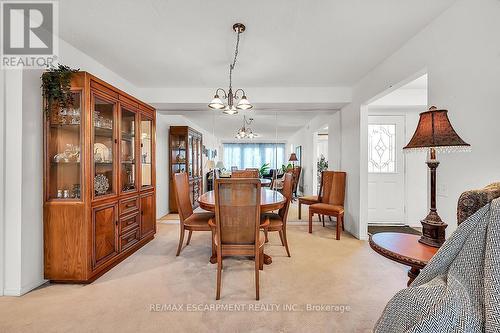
x,y
433,230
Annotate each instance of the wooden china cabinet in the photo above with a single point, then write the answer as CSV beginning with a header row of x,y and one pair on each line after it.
x,y
185,155
99,184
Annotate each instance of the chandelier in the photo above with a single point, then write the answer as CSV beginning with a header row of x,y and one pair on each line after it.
x,y
242,102
246,132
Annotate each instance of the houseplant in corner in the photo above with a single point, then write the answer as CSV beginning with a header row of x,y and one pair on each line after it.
x,y
263,170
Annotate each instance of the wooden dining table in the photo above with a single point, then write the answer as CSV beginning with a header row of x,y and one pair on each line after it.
x,y
270,200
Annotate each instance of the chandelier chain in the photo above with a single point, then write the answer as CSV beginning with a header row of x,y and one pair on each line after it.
x,y
231,66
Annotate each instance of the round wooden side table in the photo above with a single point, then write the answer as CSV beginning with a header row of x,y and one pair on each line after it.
x,y
404,249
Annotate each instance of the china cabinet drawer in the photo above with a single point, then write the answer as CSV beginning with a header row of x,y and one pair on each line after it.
x,y
129,239
128,206
128,223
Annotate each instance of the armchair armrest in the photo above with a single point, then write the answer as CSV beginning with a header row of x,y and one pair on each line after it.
x,y
470,201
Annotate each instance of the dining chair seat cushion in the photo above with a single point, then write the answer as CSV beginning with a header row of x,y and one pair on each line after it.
x,y
275,221
310,199
326,209
199,221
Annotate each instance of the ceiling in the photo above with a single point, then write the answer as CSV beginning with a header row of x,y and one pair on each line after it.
x,y
166,43
419,83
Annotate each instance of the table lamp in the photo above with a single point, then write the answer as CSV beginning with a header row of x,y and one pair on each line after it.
x,y
220,165
293,159
210,165
434,133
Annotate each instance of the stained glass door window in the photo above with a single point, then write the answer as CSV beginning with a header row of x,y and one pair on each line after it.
x,y
381,148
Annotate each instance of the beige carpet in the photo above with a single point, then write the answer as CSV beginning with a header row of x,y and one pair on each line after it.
x,y
320,271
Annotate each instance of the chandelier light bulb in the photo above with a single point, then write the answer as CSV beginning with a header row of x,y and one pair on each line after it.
x,y
230,110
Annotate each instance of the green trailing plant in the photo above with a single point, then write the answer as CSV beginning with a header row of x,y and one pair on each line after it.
x,y
56,87
263,170
322,165
287,167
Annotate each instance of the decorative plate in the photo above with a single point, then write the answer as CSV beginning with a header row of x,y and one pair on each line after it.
x,y
101,153
101,184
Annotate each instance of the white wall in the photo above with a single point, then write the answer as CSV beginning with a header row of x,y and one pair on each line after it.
x,y
2,176
305,138
23,217
13,191
460,52
163,122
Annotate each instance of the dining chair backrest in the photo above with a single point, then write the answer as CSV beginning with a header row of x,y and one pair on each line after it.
x,y
181,185
237,210
320,191
287,192
254,173
333,187
296,177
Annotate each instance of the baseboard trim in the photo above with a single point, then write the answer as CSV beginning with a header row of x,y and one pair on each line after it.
x,y
24,289
363,237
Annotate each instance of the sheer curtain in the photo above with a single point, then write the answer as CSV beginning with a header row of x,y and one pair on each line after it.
x,y
254,155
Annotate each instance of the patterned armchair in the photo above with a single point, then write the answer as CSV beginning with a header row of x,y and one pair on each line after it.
x,y
471,201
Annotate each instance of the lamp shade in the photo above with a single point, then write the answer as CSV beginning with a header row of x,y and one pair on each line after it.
x,y
210,164
434,130
244,104
216,103
230,110
220,165
293,158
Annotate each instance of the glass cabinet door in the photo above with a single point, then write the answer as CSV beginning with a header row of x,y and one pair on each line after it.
x,y
178,158
103,117
199,159
191,157
63,149
195,160
146,151
127,151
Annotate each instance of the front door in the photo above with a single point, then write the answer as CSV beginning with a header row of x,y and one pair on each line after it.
x,y
386,170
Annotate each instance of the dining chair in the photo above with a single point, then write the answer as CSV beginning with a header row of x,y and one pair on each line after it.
x,y
296,179
237,224
311,199
254,173
332,199
189,220
277,221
